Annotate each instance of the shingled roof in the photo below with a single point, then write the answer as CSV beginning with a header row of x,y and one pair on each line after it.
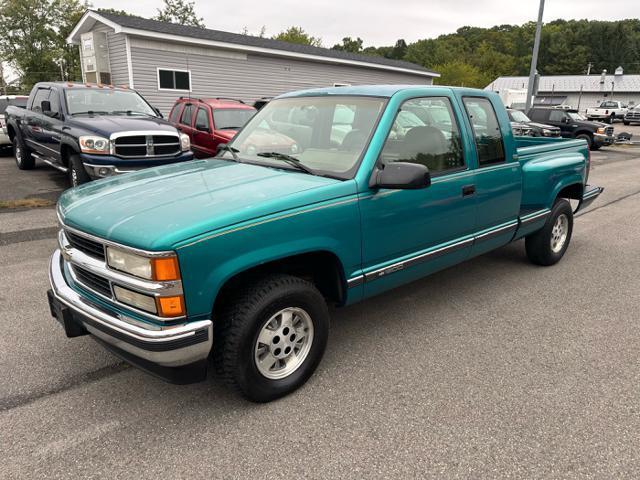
x,y
145,24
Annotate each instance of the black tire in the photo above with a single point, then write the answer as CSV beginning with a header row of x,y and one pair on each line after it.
x,y
236,331
22,155
77,174
612,118
587,137
539,245
595,146
626,123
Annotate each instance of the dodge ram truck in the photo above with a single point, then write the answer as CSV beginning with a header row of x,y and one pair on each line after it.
x,y
92,131
231,262
608,111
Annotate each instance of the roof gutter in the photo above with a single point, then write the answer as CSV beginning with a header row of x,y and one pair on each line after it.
x,y
71,39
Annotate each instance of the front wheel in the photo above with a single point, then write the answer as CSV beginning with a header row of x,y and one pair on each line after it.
x,y
271,337
77,174
587,138
548,245
626,123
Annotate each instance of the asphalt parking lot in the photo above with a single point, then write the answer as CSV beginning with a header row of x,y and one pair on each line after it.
x,y
491,369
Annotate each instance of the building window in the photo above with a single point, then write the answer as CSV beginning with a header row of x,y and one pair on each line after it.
x,y
174,79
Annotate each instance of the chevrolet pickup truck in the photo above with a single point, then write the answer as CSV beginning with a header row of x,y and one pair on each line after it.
x,y
92,131
233,261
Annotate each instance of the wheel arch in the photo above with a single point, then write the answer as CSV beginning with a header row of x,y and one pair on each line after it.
x,y
323,268
67,149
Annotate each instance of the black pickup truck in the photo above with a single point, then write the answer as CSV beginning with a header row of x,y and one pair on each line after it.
x,y
92,131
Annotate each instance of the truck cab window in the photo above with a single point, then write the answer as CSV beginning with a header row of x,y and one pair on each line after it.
x,y
557,116
186,115
486,130
41,95
425,131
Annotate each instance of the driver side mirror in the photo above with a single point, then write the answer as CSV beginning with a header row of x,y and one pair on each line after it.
x,y
401,176
566,120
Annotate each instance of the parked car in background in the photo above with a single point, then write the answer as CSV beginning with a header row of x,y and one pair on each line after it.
x,y
232,262
209,122
536,129
608,111
632,115
5,101
92,131
574,125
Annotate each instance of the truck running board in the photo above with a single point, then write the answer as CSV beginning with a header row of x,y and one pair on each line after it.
x,y
50,163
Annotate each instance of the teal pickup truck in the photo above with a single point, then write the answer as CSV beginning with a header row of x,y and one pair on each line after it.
x,y
327,196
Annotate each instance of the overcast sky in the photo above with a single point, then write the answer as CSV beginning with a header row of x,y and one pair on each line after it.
x,y
382,22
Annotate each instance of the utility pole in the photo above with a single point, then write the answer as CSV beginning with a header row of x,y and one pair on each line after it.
x,y
534,57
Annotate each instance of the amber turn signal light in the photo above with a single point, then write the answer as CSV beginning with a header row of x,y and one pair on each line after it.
x,y
171,306
165,268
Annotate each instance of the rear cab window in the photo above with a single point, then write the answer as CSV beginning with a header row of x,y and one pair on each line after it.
x,y
186,115
486,130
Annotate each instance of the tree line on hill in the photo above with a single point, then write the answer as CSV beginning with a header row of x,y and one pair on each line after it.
x,y
34,35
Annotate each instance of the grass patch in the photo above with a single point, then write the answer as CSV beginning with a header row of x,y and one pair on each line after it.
x,y
26,203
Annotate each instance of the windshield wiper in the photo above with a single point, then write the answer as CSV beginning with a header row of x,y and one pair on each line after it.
x,y
91,112
224,147
131,112
291,160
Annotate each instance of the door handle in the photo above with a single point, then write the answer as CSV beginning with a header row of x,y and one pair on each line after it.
x,y
468,190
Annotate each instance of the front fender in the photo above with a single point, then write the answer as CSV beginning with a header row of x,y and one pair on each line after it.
x,y
207,264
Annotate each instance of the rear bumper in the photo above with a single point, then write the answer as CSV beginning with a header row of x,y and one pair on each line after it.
x,y
178,353
591,192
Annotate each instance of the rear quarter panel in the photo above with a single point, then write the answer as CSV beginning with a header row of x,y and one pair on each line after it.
x,y
549,167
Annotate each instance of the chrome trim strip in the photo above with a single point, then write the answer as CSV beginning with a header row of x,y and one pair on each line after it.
x,y
113,168
395,267
50,163
177,357
534,216
496,231
42,145
355,281
137,251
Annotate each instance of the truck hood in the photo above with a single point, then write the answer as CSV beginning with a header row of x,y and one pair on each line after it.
x,y
105,125
157,208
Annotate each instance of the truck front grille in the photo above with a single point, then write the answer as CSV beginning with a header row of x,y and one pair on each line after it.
x,y
609,131
141,146
93,282
633,115
85,245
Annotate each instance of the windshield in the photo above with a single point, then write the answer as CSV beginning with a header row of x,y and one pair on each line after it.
x,y
518,116
18,102
106,101
576,116
232,118
326,134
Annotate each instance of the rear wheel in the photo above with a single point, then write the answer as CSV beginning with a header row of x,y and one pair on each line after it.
x,y
271,337
548,245
24,159
611,118
77,174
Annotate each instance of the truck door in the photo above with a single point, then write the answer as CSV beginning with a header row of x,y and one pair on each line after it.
x,y
497,186
34,133
203,143
409,233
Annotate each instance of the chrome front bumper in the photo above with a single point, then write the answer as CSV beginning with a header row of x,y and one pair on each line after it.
x,y
166,346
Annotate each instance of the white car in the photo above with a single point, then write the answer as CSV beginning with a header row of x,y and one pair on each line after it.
x,y
5,101
608,111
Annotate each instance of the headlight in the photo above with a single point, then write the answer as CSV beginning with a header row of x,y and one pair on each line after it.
x,y
546,132
93,144
185,142
157,268
601,130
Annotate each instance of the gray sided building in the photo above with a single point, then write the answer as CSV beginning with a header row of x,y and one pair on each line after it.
x,y
164,61
578,91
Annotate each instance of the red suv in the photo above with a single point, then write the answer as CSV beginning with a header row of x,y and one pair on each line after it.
x,y
209,121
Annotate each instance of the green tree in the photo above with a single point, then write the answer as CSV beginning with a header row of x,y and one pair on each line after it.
x,y
115,11
298,35
33,39
181,12
349,45
460,74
